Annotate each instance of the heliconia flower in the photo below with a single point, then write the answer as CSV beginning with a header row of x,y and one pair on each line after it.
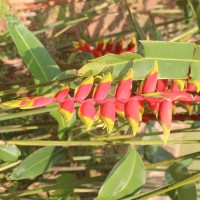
x,y
100,45
95,53
165,118
119,47
107,115
150,82
119,108
178,85
187,105
83,90
18,102
132,45
190,87
85,45
77,45
38,102
132,113
103,87
161,85
109,46
62,93
154,107
124,87
86,113
196,84
67,109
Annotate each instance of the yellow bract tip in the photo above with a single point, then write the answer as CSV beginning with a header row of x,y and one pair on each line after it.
x,y
66,114
134,125
107,78
129,75
166,132
108,123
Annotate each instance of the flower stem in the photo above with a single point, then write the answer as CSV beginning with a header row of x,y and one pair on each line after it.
x,y
94,143
28,112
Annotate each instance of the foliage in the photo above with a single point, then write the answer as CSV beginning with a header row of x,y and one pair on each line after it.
x,y
91,110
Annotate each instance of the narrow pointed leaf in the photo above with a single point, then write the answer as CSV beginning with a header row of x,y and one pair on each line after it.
x,y
41,65
126,178
38,162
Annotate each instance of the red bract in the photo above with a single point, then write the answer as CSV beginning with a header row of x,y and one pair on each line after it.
x,y
132,113
103,88
38,102
100,50
107,115
86,113
120,109
161,85
67,109
165,118
62,93
124,87
178,85
150,82
83,90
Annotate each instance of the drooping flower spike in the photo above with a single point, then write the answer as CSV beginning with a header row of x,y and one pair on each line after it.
x,y
102,47
95,104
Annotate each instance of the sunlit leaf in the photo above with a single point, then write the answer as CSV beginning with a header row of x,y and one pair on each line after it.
x,y
9,153
38,162
126,178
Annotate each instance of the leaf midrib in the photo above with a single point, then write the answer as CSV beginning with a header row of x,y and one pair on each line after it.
x,y
32,166
40,66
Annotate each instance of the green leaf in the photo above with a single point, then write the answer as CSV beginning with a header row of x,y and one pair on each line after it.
x,y
38,162
97,65
178,172
68,180
174,60
9,153
126,178
156,154
41,65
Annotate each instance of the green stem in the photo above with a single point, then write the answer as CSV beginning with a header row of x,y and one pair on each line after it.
x,y
94,143
167,162
191,179
28,112
16,128
187,34
21,89
49,188
8,166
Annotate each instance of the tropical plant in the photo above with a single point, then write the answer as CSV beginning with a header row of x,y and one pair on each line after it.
x,y
92,109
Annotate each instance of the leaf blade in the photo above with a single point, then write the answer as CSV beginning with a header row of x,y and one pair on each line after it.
x,y
119,183
38,162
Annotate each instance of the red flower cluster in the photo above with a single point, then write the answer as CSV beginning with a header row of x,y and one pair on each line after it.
x,y
159,95
102,47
